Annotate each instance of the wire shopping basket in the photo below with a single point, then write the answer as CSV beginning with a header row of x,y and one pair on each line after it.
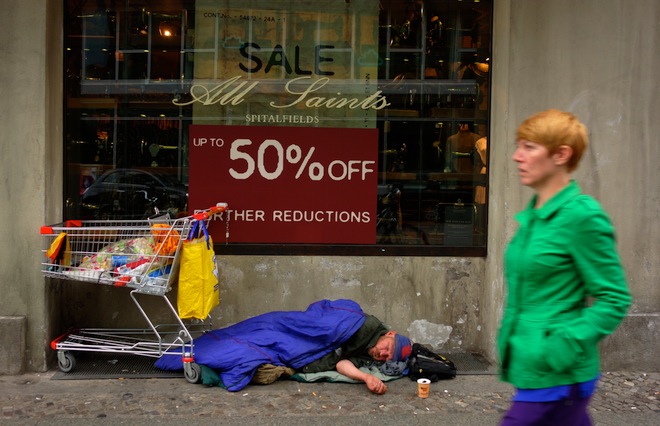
x,y
142,255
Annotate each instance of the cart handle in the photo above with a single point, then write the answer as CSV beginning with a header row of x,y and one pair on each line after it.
x,y
48,230
218,208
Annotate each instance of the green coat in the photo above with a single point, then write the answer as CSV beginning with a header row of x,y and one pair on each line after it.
x,y
562,254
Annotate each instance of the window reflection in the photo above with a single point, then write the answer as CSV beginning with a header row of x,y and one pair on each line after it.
x,y
127,61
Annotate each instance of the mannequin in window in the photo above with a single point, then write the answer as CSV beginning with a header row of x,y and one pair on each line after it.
x,y
460,149
480,169
480,161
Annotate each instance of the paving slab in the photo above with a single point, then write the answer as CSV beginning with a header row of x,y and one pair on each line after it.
x,y
623,398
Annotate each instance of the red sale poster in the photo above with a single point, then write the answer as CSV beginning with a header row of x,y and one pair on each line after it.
x,y
286,184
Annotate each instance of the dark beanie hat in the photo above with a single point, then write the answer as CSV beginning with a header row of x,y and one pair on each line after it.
x,y
402,347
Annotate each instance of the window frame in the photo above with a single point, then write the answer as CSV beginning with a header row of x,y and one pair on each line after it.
x,y
232,248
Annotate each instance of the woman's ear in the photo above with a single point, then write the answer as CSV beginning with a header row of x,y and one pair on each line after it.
x,y
562,155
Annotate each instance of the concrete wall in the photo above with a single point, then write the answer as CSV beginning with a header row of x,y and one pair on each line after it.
x,y
434,300
30,167
598,59
594,57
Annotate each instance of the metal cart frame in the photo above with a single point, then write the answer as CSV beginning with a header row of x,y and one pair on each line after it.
x,y
142,255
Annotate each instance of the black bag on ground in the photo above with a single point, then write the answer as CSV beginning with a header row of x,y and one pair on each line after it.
x,y
423,363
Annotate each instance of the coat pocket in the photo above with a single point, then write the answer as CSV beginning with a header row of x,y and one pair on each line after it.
x,y
564,351
528,351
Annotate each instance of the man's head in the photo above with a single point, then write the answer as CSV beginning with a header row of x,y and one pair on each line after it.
x,y
391,346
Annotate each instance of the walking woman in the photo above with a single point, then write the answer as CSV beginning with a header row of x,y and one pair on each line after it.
x,y
566,288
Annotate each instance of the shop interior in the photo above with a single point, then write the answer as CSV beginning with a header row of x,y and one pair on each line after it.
x,y
125,61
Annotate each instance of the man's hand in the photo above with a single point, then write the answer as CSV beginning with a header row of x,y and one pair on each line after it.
x,y
374,384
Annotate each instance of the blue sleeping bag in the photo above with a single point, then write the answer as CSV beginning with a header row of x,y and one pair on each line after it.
x,y
285,338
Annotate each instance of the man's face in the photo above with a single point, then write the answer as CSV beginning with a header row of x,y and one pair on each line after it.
x,y
383,350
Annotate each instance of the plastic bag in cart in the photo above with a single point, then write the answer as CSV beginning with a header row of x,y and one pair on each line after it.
x,y
199,291
59,251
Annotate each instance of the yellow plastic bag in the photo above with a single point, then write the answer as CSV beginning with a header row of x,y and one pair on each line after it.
x,y
199,291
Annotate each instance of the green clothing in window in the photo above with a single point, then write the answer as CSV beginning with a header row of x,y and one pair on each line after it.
x,y
563,253
354,349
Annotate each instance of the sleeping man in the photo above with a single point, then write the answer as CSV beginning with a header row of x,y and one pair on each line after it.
x,y
330,335
372,342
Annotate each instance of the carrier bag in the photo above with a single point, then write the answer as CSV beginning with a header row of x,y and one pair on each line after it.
x,y
199,291
423,363
60,250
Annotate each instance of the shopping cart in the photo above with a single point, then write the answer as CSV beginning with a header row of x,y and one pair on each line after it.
x,y
141,255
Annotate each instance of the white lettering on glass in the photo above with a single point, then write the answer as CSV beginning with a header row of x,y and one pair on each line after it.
x,y
233,92
206,96
375,101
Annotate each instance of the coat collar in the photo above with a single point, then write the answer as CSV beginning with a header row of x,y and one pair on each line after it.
x,y
568,193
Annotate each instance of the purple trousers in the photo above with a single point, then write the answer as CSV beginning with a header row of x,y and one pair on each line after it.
x,y
571,411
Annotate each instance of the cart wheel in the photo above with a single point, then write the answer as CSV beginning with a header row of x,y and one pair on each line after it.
x,y
66,362
194,373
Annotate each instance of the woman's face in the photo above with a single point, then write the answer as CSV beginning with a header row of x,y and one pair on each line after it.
x,y
535,163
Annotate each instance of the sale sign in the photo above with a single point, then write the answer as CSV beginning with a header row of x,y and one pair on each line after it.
x,y
286,184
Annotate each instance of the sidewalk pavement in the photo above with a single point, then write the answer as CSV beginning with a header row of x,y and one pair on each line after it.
x,y
623,398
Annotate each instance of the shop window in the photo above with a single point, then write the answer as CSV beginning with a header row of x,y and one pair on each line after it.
x,y
361,129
